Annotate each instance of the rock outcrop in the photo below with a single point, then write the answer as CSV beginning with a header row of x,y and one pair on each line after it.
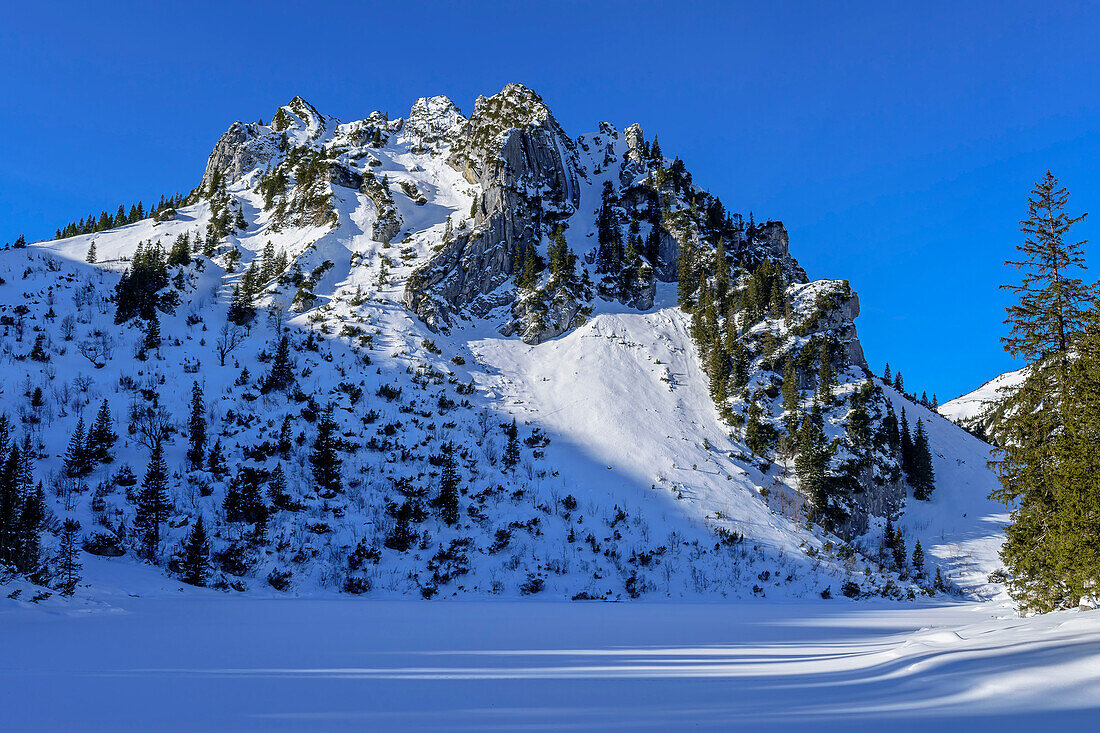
x,y
523,165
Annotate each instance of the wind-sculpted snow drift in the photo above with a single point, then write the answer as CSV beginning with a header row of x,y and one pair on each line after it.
x,y
437,277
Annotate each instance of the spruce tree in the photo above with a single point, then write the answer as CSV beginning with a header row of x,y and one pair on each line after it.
x,y
1065,566
447,499
91,258
719,371
102,436
68,558
757,435
30,519
1037,429
9,506
195,564
284,436
906,446
511,449
898,548
153,505
811,464
918,559
196,428
923,477
215,460
324,459
281,375
76,458
151,341
532,266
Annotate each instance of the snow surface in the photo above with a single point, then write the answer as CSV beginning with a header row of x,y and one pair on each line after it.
x,y
198,660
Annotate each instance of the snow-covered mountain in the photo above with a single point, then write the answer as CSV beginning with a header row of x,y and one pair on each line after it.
x,y
978,410
435,280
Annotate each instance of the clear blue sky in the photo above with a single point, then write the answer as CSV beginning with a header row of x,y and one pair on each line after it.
x,y
897,141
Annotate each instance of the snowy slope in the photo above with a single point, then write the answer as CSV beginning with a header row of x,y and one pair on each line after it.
x,y
972,407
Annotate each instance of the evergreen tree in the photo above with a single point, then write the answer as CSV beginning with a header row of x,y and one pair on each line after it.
x,y
91,258
532,266
137,292
1064,565
401,536
719,371
447,499
76,458
758,436
68,558
324,458
511,450
215,460
886,374
284,436
918,559
906,440
923,477
196,428
9,506
812,463
898,548
241,310
31,519
791,397
244,501
281,375
687,276
195,565
1038,433
102,437
153,505
151,341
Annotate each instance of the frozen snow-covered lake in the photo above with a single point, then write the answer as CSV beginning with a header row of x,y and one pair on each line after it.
x,y
217,663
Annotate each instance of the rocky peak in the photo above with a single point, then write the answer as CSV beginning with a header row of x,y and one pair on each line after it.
x,y
298,114
433,119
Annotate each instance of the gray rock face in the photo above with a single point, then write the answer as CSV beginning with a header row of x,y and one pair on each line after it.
x,y
340,175
877,500
526,171
634,160
238,151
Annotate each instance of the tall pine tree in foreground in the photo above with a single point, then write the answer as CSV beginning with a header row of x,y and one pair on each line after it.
x,y
1071,542
1045,324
